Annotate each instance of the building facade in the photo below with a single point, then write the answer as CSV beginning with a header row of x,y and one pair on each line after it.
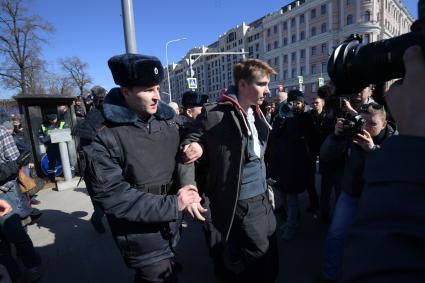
x,y
296,40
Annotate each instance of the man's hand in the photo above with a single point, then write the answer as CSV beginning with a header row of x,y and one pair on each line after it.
x,y
406,99
195,209
5,208
192,152
346,105
365,141
339,126
186,196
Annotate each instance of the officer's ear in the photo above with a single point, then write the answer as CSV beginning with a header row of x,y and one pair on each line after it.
x,y
125,91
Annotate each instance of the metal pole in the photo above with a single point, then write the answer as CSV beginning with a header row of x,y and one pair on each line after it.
x,y
129,30
63,149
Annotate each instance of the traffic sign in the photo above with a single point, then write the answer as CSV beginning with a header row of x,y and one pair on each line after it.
x,y
192,83
300,79
321,81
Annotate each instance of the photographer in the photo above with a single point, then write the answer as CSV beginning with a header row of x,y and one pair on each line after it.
x,y
385,243
354,144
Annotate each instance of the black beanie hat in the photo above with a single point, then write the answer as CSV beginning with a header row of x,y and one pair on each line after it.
x,y
295,95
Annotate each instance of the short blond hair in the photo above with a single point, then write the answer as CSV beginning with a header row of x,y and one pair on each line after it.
x,y
248,69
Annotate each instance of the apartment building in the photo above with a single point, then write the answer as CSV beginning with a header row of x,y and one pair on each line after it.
x,y
296,40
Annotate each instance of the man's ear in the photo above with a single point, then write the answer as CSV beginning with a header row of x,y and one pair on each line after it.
x,y
242,84
124,90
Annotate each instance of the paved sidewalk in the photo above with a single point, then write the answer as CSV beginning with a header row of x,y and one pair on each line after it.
x,y
73,252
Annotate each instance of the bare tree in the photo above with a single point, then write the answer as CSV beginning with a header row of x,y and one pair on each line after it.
x,y
60,84
77,71
20,39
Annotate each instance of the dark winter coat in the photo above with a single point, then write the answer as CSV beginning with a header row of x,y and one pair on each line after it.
x,y
386,243
8,171
222,131
87,129
131,168
289,154
354,159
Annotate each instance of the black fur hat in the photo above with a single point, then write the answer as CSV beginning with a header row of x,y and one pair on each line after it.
x,y
193,99
136,70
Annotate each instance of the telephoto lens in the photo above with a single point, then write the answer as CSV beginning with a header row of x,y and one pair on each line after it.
x,y
353,65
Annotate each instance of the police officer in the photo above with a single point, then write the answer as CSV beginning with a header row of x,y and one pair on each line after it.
x,y
192,102
52,150
131,166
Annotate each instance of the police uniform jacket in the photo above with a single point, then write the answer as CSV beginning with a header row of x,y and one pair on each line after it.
x,y
130,167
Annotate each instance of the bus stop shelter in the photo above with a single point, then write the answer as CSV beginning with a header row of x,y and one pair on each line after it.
x,y
33,108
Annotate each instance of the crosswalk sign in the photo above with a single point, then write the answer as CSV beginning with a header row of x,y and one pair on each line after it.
x,y
192,83
321,82
300,79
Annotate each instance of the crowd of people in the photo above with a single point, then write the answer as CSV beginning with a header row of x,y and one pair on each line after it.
x,y
238,165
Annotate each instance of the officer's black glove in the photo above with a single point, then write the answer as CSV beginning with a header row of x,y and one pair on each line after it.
x,y
23,159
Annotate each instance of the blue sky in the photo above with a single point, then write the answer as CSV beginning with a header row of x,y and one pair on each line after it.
x,y
93,31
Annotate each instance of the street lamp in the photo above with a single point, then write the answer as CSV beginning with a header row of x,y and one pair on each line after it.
x,y
166,58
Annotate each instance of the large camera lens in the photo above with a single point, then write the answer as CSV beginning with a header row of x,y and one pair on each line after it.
x,y
353,66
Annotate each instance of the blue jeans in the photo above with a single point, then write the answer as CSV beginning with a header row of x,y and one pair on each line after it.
x,y
345,212
18,201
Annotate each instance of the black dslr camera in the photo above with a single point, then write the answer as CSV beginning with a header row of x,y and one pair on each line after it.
x,y
353,125
353,65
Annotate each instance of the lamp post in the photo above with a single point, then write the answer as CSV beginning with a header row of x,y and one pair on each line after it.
x,y
166,58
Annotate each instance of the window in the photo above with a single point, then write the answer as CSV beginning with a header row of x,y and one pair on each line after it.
x,y
293,38
293,56
292,22
302,19
323,9
313,50
275,29
302,53
366,38
293,73
313,31
275,44
324,68
302,35
285,41
285,26
276,61
349,2
324,47
313,69
257,47
313,14
323,28
367,16
269,47
268,32
313,87
302,71
349,20
285,74
285,58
